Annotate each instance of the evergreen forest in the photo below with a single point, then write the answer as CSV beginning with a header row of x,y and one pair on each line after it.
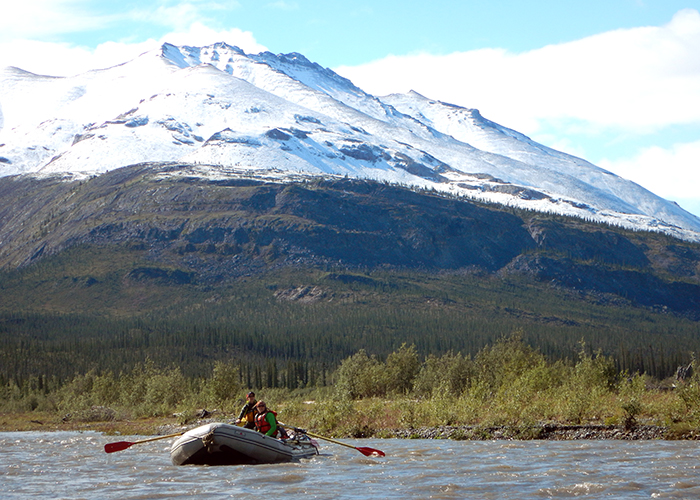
x,y
291,328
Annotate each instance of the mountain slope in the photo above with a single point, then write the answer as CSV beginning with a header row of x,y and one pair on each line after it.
x,y
213,232
225,112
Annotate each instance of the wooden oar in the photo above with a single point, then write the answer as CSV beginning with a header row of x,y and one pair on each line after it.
x,y
368,452
123,445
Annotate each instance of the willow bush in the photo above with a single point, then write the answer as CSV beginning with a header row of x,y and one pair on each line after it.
x,y
360,376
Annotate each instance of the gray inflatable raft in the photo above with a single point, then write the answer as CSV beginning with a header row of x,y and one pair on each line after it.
x,y
225,444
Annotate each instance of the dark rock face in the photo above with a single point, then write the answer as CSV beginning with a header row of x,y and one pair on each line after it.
x,y
202,231
167,276
639,286
374,225
600,246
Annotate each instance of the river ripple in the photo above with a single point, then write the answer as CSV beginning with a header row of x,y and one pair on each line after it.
x,y
72,465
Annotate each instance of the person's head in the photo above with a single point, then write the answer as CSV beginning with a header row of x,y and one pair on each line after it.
x,y
261,407
250,396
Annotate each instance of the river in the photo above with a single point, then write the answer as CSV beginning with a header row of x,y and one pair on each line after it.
x,y
73,465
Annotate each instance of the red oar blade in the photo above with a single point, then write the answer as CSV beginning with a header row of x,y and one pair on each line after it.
x,y
370,452
123,445
118,446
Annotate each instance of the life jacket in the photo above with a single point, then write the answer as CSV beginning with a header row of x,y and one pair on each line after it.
x,y
262,425
250,414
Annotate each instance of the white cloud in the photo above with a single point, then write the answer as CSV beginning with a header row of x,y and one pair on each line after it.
x,y
44,18
60,59
57,59
27,31
638,79
179,15
671,173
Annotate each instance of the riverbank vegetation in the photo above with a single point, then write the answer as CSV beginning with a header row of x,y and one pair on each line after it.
x,y
507,384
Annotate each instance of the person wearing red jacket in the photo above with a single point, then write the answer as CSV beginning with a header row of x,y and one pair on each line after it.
x,y
266,421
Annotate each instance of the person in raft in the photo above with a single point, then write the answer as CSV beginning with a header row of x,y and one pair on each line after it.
x,y
266,422
247,414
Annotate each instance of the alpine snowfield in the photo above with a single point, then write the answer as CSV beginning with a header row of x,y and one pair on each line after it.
x,y
221,112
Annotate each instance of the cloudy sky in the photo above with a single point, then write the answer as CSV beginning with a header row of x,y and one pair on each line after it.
x,y
616,82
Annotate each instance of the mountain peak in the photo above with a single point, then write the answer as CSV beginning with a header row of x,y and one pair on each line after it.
x,y
227,112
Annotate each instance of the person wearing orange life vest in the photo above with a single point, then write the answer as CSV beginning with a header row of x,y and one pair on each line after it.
x,y
266,422
247,414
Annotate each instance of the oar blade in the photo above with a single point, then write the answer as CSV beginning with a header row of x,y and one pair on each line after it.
x,y
370,452
118,446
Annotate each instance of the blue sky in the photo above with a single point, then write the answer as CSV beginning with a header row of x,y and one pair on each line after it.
x,y
616,82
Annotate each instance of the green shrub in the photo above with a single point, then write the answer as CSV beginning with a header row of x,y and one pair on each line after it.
x,y
451,372
503,362
598,371
360,376
224,386
689,394
333,415
402,366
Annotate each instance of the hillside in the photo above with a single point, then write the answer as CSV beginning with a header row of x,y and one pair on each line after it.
x,y
148,261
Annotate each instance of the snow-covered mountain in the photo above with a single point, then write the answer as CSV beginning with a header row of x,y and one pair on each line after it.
x,y
227,113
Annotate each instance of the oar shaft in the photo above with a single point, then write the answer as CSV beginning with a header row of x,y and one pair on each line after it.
x,y
158,438
365,451
123,445
330,439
